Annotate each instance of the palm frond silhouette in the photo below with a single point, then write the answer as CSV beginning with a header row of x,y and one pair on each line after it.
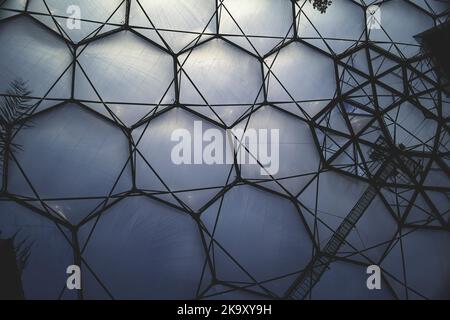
x,y
13,107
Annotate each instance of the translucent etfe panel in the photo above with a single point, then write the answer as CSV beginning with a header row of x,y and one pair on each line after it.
x,y
409,126
432,6
358,60
299,73
347,281
176,23
262,232
126,114
441,203
341,26
159,141
417,246
70,152
437,177
369,240
94,14
156,252
332,204
294,157
420,214
219,73
44,275
400,22
124,68
221,292
35,55
257,25
10,8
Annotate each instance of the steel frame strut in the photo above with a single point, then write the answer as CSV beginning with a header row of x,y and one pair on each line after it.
x,y
319,264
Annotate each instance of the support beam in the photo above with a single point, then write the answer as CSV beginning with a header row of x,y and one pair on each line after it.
x,y
321,261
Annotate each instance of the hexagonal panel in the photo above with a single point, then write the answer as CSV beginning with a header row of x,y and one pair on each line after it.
x,y
70,152
209,76
139,75
298,73
194,184
294,157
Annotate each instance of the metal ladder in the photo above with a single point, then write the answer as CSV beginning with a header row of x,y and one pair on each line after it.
x,y
320,262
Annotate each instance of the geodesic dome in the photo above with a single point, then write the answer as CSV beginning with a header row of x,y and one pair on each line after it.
x,y
92,183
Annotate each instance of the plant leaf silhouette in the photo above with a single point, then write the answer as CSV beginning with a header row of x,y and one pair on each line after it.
x,y
13,106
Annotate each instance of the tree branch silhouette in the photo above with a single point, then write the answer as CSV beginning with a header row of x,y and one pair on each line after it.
x,y
321,5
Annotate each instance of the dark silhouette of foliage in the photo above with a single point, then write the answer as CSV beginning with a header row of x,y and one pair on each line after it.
x,y
13,106
321,5
13,260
